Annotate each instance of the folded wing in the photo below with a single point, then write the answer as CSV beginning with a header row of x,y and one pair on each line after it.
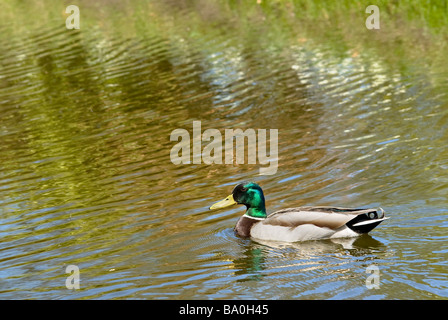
x,y
333,218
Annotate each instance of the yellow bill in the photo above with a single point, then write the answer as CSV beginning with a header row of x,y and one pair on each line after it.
x,y
224,203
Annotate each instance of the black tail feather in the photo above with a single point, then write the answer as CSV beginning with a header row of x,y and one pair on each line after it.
x,y
366,222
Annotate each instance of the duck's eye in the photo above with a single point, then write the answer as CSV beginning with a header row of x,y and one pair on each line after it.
x,y
243,189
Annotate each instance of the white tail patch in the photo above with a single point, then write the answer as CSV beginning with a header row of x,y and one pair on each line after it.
x,y
362,223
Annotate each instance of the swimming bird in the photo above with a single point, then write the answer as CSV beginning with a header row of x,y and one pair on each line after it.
x,y
297,224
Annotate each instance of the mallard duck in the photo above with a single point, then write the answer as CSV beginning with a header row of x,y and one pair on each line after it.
x,y
297,224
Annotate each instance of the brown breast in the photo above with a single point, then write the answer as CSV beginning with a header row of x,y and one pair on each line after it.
x,y
244,225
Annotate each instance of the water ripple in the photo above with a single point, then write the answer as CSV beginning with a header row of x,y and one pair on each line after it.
x,y
86,176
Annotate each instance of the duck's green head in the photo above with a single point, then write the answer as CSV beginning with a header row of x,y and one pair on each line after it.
x,y
249,194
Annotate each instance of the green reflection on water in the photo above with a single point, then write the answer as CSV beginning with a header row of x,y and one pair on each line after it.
x,y
86,117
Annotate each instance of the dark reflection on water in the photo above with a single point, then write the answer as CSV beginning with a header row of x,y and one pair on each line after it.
x,y
251,263
86,176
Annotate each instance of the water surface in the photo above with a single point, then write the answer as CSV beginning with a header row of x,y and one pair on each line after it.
x,y
86,177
